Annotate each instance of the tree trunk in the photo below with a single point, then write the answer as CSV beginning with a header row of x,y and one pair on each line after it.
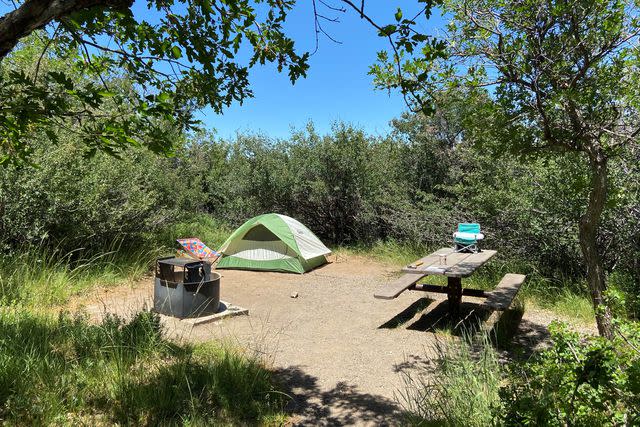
x,y
589,226
36,14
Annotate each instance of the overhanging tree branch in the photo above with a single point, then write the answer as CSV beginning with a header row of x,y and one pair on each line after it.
x,y
36,14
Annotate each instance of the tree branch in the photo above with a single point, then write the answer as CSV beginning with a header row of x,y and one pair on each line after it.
x,y
44,50
36,14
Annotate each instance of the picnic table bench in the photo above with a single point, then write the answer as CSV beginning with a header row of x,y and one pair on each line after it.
x,y
455,266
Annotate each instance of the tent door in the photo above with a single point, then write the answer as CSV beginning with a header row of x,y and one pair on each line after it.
x,y
260,233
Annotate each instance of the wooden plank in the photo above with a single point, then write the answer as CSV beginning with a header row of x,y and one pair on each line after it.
x,y
431,288
426,261
488,324
502,296
452,258
456,265
398,286
443,290
467,266
430,269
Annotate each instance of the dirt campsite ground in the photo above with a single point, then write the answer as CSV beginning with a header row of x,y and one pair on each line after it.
x,y
341,353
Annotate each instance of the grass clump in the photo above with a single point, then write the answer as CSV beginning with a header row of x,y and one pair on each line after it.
x,y
64,370
462,390
45,277
566,303
390,251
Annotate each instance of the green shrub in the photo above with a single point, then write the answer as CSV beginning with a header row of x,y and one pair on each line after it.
x,y
628,284
71,202
581,381
341,185
578,381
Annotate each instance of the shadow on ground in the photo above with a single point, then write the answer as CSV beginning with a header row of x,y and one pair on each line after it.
x,y
511,332
407,314
437,319
342,405
530,337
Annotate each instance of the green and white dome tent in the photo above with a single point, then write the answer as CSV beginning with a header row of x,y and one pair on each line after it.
x,y
273,242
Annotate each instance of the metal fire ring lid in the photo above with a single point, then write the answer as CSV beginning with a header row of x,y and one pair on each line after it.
x,y
179,262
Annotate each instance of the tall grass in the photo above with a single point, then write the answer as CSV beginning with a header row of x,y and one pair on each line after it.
x,y
66,371
461,390
390,251
46,277
567,297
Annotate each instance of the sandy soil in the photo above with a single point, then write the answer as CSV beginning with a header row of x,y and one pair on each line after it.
x,y
341,353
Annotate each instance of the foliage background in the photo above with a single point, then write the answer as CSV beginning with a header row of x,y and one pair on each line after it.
x,y
410,187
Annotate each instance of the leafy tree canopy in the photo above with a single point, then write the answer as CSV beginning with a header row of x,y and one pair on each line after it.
x,y
564,75
127,76
124,74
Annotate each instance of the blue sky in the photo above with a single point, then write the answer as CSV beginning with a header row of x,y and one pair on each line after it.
x,y
337,86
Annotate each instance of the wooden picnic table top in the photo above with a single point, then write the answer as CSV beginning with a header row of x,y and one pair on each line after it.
x,y
458,264
455,265
447,262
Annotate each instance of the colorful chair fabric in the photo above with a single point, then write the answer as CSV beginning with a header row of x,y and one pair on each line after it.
x,y
197,249
467,238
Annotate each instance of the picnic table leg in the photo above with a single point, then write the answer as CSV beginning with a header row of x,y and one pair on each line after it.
x,y
454,295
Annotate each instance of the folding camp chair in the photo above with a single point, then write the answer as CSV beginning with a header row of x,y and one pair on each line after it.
x,y
198,250
467,238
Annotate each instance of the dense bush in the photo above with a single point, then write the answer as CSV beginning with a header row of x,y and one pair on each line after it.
x,y
340,185
411,186
70,201
577,380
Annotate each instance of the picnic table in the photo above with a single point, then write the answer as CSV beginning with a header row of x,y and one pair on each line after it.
x,y
454,266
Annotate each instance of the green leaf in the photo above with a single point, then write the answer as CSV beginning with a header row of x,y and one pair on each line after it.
x,y
398,15
51,135
206,6
387,30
